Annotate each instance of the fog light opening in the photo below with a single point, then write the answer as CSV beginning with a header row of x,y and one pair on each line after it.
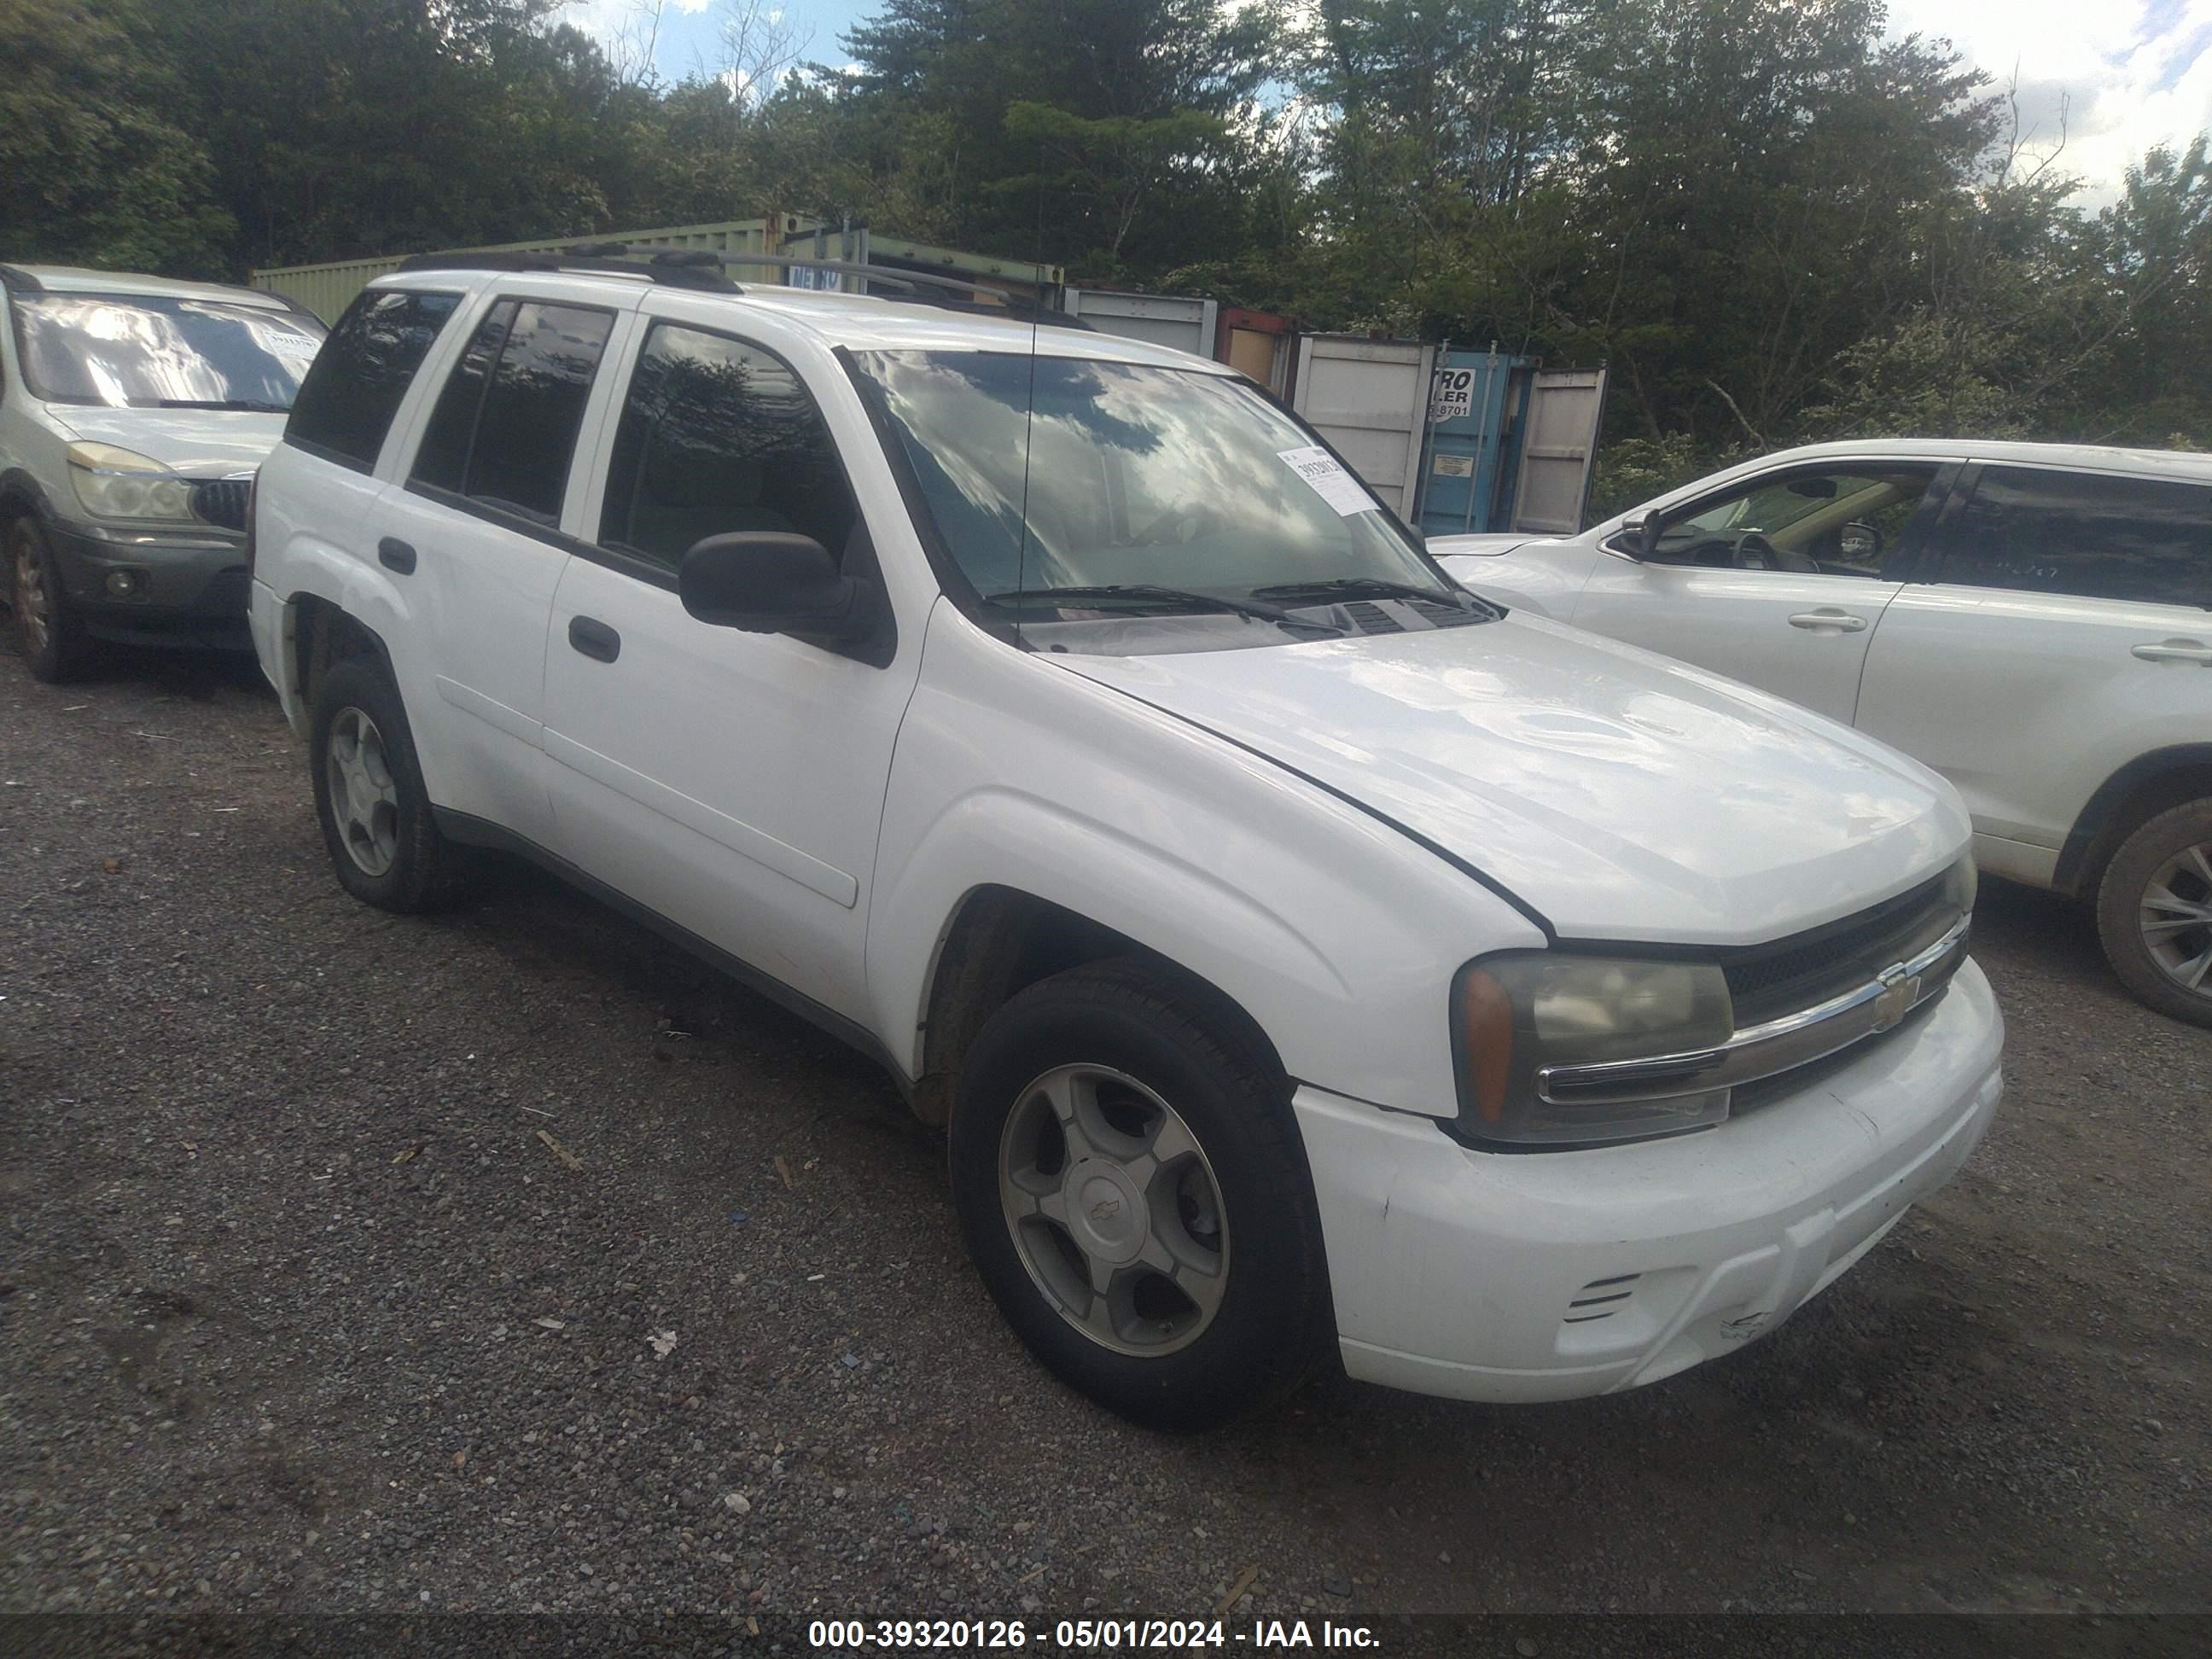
x,y
125,584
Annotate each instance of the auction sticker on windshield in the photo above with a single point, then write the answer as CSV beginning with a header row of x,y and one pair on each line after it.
x,y
1330,481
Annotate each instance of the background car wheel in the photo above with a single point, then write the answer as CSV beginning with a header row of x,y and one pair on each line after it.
x,y
51,633
2154,913
375,814
1134,1192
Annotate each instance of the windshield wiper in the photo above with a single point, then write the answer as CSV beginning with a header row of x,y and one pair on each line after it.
x,y
1375,587
246,405
1149,592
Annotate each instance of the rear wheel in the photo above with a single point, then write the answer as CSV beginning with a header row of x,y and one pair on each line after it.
x,y
377,822
2154,912
49,629
1132,1188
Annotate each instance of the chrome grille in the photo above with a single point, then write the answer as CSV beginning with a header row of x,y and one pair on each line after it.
x,y
1767,980
221,501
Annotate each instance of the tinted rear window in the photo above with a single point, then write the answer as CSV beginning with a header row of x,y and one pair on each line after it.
x,y
2086,534
346,404
506,424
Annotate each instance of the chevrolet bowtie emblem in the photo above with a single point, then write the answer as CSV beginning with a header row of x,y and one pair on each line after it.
x,y
1900,991
1106,1209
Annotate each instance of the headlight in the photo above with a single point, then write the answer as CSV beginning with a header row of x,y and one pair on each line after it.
x,y
117,483
1517,1015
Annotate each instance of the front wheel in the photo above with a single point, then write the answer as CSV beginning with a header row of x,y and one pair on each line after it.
x,y
1132,1190
2154,913
52,635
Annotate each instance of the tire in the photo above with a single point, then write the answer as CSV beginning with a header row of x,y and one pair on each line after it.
x,y
48,628
2162,947
377,824
1120,1052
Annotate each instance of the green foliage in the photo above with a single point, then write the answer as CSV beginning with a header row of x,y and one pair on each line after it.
x,y
1632,471
1773,221
90,170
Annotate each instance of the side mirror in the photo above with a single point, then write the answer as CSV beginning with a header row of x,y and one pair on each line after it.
x,y
1641,535
1858,542
767,581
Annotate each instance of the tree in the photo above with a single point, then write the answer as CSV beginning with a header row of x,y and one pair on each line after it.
x,y
91,172
1137,116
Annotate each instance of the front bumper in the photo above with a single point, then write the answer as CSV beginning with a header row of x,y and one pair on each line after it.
x,y
189,592
1553,1275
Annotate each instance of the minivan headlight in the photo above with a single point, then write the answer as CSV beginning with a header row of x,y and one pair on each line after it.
x,y
119,483
1515,1014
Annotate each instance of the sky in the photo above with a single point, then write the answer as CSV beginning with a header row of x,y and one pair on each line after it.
x,y
2109,78
691,30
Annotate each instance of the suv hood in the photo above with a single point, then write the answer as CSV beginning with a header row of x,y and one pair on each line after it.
x,y
197,443
1618,794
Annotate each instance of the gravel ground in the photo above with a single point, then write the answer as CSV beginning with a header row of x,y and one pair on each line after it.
x,y
510,1260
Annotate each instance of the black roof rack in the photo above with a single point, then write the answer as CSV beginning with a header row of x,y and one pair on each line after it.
x,y
674,272
925,287
701,268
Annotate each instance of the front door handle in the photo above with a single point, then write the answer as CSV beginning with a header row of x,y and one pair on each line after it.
x,y
1821,621
2176,650
594,638
395,555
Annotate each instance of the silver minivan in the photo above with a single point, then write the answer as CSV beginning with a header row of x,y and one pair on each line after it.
x,y
133,412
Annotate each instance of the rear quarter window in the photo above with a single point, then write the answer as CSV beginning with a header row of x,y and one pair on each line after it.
x,y
346,404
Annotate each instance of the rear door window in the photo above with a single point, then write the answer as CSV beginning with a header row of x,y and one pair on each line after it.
x,y
347,401
2091,536
504,429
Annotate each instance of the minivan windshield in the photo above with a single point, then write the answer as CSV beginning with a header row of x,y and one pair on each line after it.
x,y
1153,489
150,351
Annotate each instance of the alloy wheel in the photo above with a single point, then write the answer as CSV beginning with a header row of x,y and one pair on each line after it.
x,y
364,794
33,608
1114,1209
2175,917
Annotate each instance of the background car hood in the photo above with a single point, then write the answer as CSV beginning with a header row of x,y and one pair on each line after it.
x,y
1619,795
1447,547
198,443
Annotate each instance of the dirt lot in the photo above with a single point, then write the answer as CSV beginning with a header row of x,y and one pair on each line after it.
x,y
301,1311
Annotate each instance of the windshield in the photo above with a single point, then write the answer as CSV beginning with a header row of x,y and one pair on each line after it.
x,y
145,351
1158,487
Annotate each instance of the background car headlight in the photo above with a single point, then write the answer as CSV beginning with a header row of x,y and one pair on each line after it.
x,y
1518,1013
119,483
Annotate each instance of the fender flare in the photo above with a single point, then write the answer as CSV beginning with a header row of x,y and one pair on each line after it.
x,y
2092,833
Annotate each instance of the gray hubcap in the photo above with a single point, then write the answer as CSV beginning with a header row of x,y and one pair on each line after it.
x,y
364,795
1114,1209
2175,919
31,607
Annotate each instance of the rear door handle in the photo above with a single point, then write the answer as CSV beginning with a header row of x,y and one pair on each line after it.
x,y
395,555
1822,620
594,638
2176,650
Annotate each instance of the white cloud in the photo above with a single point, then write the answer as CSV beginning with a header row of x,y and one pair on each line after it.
x,y
2112,79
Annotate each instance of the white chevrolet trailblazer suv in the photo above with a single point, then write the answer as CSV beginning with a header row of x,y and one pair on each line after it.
x,y
2034,620
1297,950
133,411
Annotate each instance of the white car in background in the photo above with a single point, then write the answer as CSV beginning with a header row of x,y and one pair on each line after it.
x,y
133,411
2032,620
